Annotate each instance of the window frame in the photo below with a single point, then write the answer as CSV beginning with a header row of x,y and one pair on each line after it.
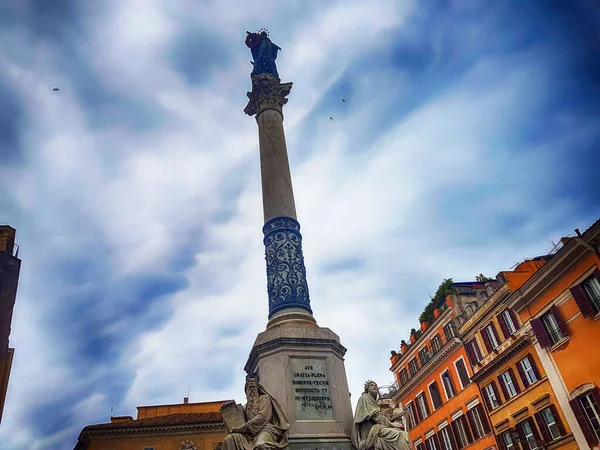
x,y
403,375
424,355
595,409
411,363
507,317
512,382
462,425
446,438
461,358
544,414
436,341
512,445
421,395
494,392
448,397
556,335
533,436
438,393
491,334
413,419
528,371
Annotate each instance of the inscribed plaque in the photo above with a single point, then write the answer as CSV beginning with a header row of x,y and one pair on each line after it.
x,y
310,385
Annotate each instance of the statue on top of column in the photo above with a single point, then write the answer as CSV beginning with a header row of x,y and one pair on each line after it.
x,y
264,52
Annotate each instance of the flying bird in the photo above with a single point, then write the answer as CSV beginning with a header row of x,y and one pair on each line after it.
x,y
330,118
55,90
344,100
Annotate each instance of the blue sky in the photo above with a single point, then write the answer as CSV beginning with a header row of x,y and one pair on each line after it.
x,y
468,142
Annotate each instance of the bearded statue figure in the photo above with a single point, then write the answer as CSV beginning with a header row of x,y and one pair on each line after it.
x,y
372,430
266,424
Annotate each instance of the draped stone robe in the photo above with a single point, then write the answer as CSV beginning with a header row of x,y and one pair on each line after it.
x,y
265,428
372,430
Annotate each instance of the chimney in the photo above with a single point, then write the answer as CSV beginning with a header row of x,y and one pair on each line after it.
x,y
186,400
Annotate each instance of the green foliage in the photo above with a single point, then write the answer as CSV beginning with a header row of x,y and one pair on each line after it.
x,y
437,300
482,278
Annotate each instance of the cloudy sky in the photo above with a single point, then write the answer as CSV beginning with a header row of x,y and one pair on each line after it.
x,y
468,142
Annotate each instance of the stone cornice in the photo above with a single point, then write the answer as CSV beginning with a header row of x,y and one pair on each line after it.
x,y
518,344
282,342
426,369
157,430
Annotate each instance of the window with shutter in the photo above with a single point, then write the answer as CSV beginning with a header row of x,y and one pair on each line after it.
x,y
584,303
413,366
436,399
473,352
461,432
420,446
403,376
529,434
507,322
492,336
592,289
479,425
490,396
424,355
526,370
445,439
551,322
541,333
584,423
448,385
463,375
508,385
436,344
422,407
506,439
589,406
432,444
412,418
551,424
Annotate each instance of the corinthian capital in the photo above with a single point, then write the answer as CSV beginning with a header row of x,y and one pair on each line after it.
x,y
267,93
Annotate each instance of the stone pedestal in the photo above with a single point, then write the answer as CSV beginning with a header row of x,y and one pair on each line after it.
x,y
302,365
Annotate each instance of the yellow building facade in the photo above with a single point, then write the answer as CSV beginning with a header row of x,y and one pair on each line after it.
x,y
521,404
185,426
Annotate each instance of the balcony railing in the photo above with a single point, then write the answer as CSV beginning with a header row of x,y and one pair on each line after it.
x,y
388,391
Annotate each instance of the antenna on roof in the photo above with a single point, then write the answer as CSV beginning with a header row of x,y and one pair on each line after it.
x,y
189,390
111,411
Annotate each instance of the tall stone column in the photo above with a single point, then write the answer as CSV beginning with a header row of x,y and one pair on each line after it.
x,y
286,274
300,363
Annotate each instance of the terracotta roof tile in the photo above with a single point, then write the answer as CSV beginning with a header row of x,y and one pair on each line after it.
x,y
171,419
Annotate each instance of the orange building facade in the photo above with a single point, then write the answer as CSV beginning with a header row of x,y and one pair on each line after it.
x,y
562,304
520,401
444,409
10,268
185,426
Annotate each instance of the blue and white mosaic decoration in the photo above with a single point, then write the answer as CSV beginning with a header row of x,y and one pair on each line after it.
x,y
286,274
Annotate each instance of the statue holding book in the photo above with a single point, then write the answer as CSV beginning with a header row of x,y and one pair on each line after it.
x,y
260,425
